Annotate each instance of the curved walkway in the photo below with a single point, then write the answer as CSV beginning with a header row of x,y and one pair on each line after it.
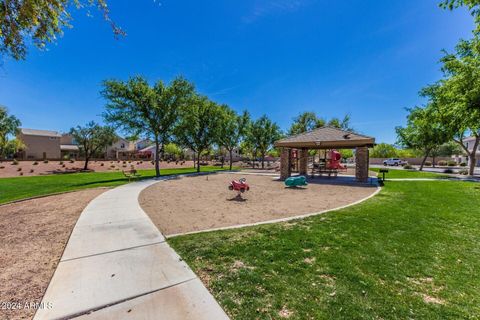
x,y
117,265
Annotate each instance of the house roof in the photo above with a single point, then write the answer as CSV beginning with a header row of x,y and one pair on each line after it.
x,y
326,137
69,147
43,133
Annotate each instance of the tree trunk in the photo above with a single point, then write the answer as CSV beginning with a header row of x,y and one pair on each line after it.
x,y
157,158
472,157
263,161
87,158
198,161
424,159
231,159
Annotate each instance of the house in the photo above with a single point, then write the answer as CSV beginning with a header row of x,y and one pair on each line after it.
x,y
69,147
469,143
120,149
39,144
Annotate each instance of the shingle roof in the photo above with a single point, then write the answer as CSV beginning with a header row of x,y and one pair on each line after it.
x,y
35,132
325,137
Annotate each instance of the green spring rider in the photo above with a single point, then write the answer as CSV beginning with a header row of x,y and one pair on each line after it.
x,y
296,181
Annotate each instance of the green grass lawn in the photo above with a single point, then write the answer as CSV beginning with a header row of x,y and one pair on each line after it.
x,y
411,252
25,187
402,173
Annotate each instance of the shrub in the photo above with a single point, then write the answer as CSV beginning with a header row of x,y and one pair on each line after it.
x,y
442,163
463,171
14,162
2,167
448,171
21,173
407,167
72,161
31,170
428,163
45,161
19,169
63,165
451,163
35,163
102,164
60,163
463,164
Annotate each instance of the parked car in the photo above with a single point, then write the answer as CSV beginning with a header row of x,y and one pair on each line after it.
x,y
394,162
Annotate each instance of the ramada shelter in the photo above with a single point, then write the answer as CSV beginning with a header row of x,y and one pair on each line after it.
x,y
324,138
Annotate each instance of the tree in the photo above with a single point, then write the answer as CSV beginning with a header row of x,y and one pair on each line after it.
x,y
455,99
423,132
139,109
92,138
199,125
41,21
8,127
383,150
262,134
232,128
343,124
173,150
308,121
472,5
304,122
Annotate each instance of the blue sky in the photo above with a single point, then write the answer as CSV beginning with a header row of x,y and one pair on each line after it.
x,y
365,58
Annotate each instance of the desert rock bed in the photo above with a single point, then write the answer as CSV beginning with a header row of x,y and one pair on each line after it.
x,y
204,202
32,238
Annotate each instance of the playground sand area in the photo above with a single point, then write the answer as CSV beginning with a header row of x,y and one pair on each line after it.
x,y
197,203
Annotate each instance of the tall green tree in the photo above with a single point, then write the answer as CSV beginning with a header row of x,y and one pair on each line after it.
x,y
262,133
199,125
140,109
40,21
343,124
423,132
305,121
232,129
308,121
455,99
92,138
9,125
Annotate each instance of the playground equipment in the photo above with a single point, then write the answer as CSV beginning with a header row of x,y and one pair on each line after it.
x,y
240,186
334,162
330,165
296,181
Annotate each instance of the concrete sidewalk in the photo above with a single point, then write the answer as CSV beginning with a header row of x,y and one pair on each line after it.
x,y
117,265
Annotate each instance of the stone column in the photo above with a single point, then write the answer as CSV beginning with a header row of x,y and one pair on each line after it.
x,y
361,166
285,165
303,161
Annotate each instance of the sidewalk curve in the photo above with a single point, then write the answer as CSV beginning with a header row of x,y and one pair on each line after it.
x,y
117,265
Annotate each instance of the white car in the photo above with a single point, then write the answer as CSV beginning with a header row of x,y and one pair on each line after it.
x,y
394,162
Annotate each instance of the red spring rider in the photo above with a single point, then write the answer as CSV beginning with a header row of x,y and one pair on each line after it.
x,y
240,186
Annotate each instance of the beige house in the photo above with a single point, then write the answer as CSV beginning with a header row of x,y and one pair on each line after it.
x,y
120,149
69,147
39,144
